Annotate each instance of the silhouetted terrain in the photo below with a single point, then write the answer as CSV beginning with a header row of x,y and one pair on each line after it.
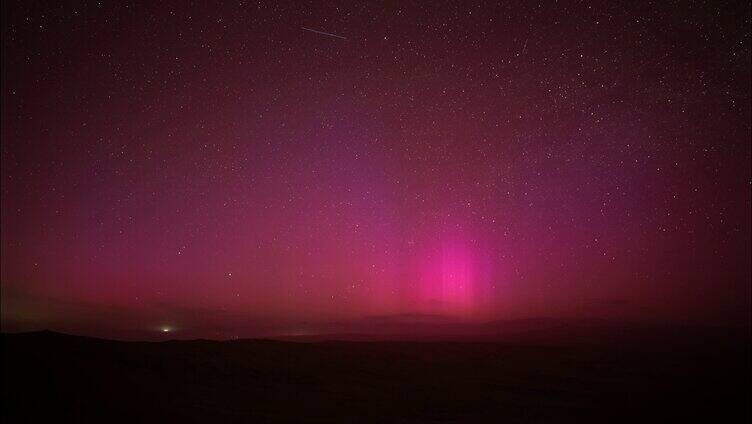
x,y
58,377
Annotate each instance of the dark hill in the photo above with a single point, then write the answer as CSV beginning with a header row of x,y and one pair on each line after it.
x,y
60,378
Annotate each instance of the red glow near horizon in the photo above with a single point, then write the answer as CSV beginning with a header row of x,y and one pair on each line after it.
x,y
218,171
452,281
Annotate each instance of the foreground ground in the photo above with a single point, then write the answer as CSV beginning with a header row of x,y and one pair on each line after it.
x,y
50,376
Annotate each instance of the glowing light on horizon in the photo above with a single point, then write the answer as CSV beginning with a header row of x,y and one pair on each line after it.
x,y
451,279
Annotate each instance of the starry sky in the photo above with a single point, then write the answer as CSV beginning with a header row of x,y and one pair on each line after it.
x,y
247,168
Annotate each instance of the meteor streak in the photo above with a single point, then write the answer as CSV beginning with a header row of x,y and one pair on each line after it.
x,y
323,33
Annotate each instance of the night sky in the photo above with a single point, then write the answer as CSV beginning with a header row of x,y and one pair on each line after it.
x,y
243,169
